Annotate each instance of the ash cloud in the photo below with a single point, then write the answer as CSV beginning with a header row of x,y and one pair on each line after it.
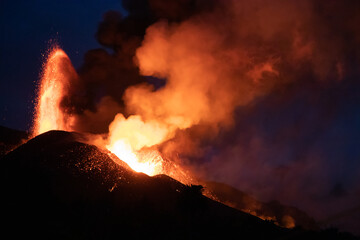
x,y
108,71
261,94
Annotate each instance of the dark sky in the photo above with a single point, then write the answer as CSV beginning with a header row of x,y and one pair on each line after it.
x,y
26,27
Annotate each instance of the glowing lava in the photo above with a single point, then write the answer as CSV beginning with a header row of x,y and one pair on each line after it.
x,y
125,152
128,136
57,74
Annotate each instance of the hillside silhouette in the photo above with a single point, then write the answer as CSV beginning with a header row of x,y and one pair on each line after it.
x,y
56,187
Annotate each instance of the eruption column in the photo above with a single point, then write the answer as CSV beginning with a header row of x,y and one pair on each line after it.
x,y
57,72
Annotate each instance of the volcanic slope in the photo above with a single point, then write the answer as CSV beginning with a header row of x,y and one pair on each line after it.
x,y
56,187
285,216
10,138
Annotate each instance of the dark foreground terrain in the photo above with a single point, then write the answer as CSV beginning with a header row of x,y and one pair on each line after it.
x,y
56,187
10,138
285,216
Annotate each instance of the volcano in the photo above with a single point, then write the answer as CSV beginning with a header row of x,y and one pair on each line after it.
x,y
56,186
10,138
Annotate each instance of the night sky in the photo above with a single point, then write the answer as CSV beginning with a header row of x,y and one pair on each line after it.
x,y
26,28
298,143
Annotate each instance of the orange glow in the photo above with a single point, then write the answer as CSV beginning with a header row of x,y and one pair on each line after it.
x,y
128,136
57,73
150,166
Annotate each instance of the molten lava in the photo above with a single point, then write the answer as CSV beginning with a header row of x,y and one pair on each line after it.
x,y
128,136
125,152
56,75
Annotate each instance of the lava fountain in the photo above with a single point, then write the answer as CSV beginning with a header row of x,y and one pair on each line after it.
x,y
56,76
